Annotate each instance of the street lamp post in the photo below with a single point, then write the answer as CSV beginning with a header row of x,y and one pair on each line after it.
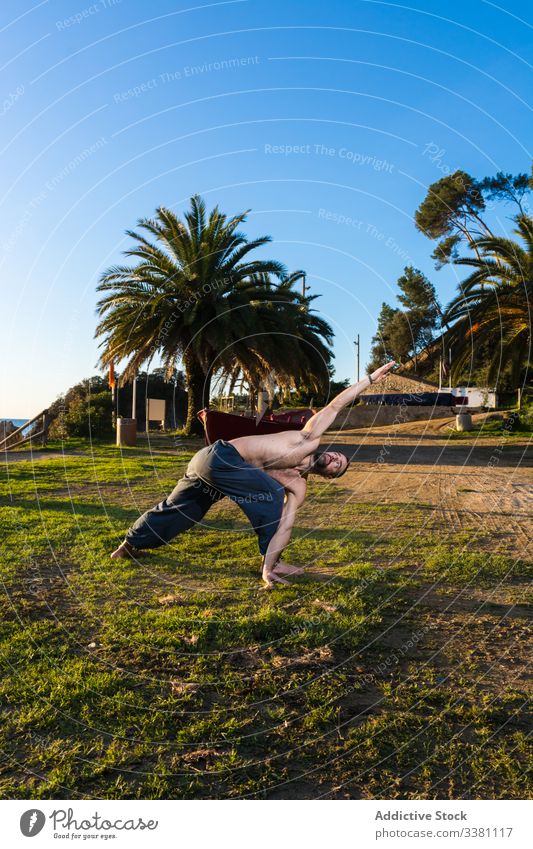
x,y
357,344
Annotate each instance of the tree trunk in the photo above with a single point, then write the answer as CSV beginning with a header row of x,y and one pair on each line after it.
x,y
198,391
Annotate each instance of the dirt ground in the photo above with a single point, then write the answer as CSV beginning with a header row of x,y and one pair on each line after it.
x,y
485,482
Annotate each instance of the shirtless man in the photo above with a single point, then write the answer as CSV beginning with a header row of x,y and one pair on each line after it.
x,y
264,475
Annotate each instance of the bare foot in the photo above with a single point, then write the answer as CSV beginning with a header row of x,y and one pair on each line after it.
x,y
125,550
270,578
286,569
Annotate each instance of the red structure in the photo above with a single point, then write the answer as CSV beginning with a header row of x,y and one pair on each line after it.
x,y
219,425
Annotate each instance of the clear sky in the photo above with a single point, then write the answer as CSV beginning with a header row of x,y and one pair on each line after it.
x,y
322,117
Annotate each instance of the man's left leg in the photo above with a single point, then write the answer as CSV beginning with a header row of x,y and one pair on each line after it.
x,y
185,506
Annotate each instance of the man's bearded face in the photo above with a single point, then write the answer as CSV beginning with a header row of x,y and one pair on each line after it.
x,y
329,464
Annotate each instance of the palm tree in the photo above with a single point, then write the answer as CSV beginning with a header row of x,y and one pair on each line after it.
x,y
493,308
195,293
281,342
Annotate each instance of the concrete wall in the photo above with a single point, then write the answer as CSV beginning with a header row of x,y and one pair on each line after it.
x,y
375,416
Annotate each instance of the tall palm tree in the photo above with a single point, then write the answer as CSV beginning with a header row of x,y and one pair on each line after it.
x,y
282,342
494,306
195,293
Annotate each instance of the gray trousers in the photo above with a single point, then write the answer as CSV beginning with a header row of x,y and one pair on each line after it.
x,y
215,472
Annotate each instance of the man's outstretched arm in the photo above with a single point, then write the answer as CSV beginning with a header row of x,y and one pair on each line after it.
x,y
280,540
317,424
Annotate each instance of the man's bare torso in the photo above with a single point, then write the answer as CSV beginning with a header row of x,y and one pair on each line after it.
x,y
289,451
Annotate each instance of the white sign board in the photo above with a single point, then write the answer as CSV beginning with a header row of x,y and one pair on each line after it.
x,y
477,396
156,410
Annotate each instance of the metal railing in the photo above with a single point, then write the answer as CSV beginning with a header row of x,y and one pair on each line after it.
x,y
41,434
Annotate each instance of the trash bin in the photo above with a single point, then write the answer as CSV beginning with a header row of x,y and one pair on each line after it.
x,y
463,421
126,431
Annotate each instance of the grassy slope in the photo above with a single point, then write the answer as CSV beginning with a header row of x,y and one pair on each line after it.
x,y
182,678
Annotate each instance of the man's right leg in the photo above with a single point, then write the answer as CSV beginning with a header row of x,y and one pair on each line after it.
x,y
185,506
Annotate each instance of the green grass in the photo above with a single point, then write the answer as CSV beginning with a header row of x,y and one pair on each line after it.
x,y
182,678
480,568
495,428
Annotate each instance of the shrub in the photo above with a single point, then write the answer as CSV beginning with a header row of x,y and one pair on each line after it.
x,y
525,419
85,415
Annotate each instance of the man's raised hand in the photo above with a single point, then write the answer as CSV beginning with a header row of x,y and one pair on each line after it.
x,y
382,371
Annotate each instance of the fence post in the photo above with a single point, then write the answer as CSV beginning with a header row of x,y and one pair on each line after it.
x,y
46,425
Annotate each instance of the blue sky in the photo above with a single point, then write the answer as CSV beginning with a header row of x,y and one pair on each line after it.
x,y
328,120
